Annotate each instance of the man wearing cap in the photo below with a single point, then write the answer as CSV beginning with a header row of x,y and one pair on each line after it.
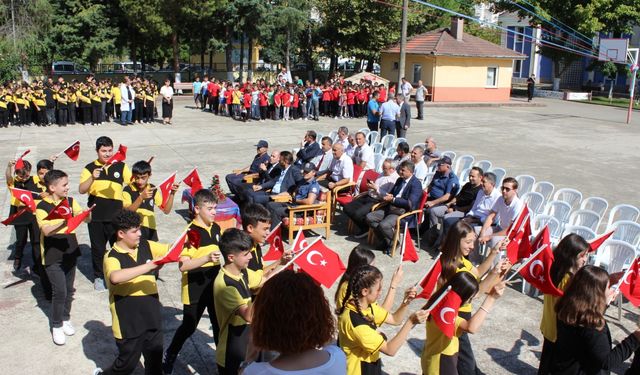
x,y
234,180
307,192
442,188
309,148
289,177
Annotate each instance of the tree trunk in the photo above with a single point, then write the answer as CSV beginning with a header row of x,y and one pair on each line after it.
x,y
174,45
228,50
241,56
287,50
250,62
333,64
370,64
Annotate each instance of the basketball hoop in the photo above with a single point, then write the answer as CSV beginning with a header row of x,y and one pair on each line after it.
x,y
614,50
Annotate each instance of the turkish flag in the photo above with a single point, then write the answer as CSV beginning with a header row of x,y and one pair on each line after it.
x,y
444,313
73,151
61,211
75,221
598,241
300,242
519,247
321,263
24,196
20,162
173,255
541,239
165,188
193,180
408,248
194,238
276,248
629,285
11,218
514,227
430,279
119,156
537,271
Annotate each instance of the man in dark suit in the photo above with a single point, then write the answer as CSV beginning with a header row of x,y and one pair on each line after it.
x,y
404,197
310,148
234,180
286,181
404,116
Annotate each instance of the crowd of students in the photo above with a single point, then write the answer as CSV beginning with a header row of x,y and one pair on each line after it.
x,y
270,322
88,101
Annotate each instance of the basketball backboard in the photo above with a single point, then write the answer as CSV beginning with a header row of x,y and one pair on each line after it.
x,y
613,49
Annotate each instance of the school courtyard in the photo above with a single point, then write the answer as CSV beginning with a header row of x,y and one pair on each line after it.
x,y
587,147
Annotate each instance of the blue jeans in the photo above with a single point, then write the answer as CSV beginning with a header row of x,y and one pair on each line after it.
x,y
125,116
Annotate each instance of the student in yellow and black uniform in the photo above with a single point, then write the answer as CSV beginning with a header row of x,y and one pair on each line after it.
x,y
22,106
232,295
117,99
199,266
84,97
109,90
142,197
568,257
149,101
4,108
133,297
39,106
62,100
25,224
96,104
104,184
360,317
139,103
105,96
72,102
59,253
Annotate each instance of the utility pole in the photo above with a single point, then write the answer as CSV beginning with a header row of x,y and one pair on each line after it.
x,y
13,25
403,43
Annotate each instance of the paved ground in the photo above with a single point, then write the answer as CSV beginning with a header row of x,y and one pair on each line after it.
x,y
570,144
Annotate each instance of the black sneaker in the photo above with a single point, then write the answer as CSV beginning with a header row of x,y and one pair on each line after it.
x,y
168,360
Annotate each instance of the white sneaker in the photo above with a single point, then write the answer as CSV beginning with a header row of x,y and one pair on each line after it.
x,y
97,371
68,329
58,336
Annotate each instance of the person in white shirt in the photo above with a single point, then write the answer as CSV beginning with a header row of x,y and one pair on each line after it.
x,y
405,88
506,209
323,161
127,105
351,145
421,93
343,136
363,155
388,114
167,101
340,171
417,159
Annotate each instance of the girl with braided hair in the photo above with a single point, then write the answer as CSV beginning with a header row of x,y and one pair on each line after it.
x,y
360,316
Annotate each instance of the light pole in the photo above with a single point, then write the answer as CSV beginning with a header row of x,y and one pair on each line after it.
x,y
403,43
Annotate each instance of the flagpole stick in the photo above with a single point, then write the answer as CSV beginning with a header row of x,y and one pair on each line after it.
x,y
428,271
437,301
617,286
526,262
298,255
404,242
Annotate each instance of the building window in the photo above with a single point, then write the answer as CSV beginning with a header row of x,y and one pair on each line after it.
x,y
417,72
492,76
518,36
395,65
517,67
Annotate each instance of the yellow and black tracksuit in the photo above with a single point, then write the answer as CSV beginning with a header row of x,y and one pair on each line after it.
x,y
130,194
230,292
84,96
59,254
4,110
197,288
40,106
96,106
139,103
149,101
117,99
106,193
62,99
135,310
25,224
440,353
72,103
359,339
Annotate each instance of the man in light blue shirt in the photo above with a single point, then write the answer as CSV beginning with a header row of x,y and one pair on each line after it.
x,y
196,92
389,111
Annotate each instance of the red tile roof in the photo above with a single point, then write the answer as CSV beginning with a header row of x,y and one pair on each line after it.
x,y
440,42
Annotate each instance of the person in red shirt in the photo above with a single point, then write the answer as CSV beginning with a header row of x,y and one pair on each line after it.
x,y
246,103
286,104
214,92
351,101
335,98
229,99
277,103
326,100
296,105
263,100
382,97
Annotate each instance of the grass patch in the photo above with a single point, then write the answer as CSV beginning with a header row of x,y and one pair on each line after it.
x,y
615,102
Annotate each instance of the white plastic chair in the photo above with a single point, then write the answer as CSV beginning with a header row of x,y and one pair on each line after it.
x,y
464,176
580,230
555,227
585,218
333,135
623,212
525,183
398,141
377,148
560,210
372,137
500,174
365,131
535,201
627,231
387,141
569,195
484,164
545,188
462,163
427,180
595,204
450,154
423,145
390,152
615,256
378,159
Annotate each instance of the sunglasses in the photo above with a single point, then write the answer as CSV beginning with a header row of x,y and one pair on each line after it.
x,y
507,189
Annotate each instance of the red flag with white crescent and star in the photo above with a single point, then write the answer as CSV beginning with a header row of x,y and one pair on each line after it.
x,y
537,271
24,196
73,151
300,242
75,221
595,243
629,285
321,263
119,156
276,247
430,279
61,211
444,313
193,181
11,218
519,247
165,189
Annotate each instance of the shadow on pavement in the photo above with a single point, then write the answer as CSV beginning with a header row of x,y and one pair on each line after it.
x,y
509,360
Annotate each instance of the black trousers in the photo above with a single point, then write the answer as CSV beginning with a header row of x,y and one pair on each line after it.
x,y
466,359
86,114
4,118
191,315
137,112
62,116
22,231
148,112
148,345
41,117
72,113
358,210
96,108
546,358
62,275
100,232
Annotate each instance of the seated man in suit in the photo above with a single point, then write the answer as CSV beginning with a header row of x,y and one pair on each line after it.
x,y
234,180
323,161
307,192
405,196
310,149
266,171
285,182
